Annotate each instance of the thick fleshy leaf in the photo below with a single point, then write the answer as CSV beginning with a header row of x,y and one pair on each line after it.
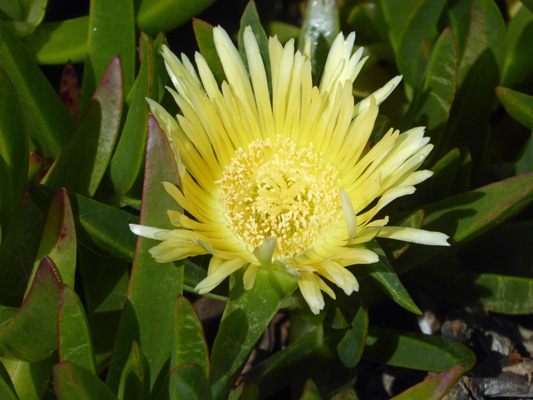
x,y
519,50
434,97
310,391
190,383
416,351
13,155
154,16
30,379
18,251
434,387
128,159
69,91
246,391
190,346
385,276
467,215
48,122
159,71
29,15
82,163
494,292
251,18
135,378
105,286
351,346
58,240
148,317
59,42
518,105
247,314
75,344
204,37
320,26
528,4
481,49
411,24
74,382
105,42
38,313
35,166
345,394
367,19
7,390
98,226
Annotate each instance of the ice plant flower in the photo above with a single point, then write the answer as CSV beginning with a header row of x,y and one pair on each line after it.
x,y
282,179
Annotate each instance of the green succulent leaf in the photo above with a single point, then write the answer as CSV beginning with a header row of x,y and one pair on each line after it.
x,y
105,42
434,97
38,313
105,286
149,315
154,16
519,52
29,379
48,122
411,24
416,351
58,240
481,48
82,163
190,346
59,42
204,37
468,215
74,382
18,251
75,343
135,378
13,155
128,160
247,314
518,105
7,390
352,344
434,387
367,19
23,16
387,279
190,383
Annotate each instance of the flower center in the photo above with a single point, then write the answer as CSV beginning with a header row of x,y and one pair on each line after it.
x,y
276,191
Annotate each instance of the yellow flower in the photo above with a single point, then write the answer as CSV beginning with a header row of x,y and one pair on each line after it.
x,y
282,180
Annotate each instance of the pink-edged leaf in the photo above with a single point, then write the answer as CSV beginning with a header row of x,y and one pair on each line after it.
x,y
31,334
83,161
148,317
69,91
434,387
58,240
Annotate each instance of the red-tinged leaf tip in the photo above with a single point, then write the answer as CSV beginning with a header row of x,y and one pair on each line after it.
x,y
448,378
45,269
112,77
69,91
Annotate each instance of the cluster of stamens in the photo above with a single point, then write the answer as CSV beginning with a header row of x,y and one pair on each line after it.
x,y
274,190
